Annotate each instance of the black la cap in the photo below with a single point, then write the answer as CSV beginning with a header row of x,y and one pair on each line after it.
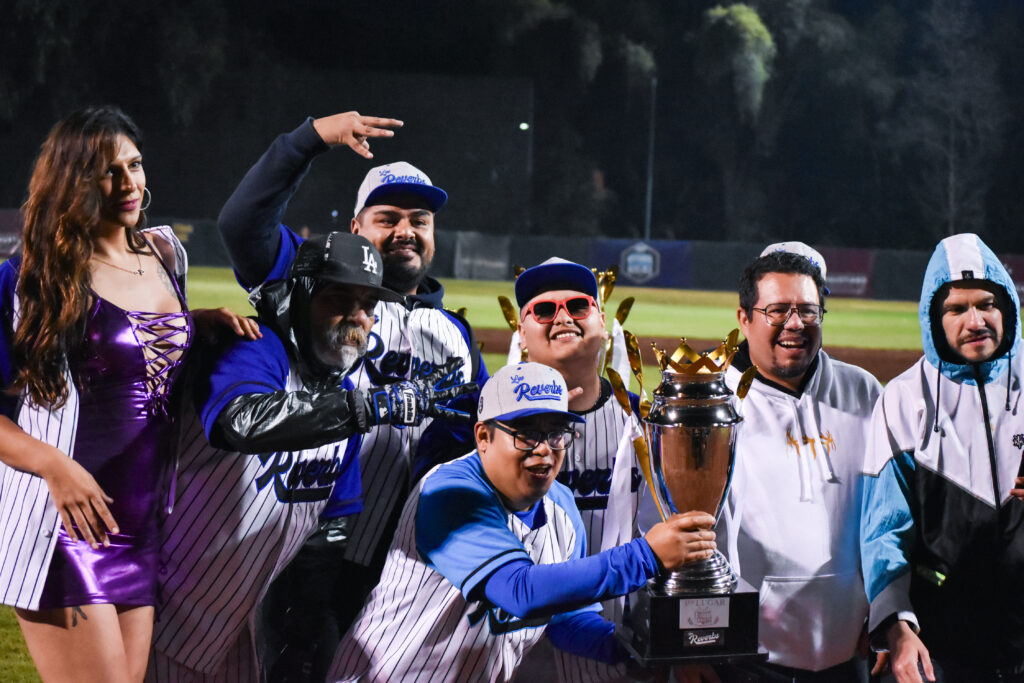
x,y
343,258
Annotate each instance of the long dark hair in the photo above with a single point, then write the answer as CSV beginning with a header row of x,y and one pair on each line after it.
x,y
60,216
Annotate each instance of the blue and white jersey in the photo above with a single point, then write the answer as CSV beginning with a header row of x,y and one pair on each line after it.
x,y
454,532
407,341
602,472
238,519
404,343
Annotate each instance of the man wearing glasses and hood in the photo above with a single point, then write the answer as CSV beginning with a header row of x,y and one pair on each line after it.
x,y
789,525
942,550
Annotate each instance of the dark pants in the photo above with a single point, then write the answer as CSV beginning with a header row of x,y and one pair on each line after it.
x,y
852,671
957,672
310,606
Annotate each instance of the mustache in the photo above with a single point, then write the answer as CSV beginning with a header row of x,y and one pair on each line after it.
x,y
346,334
394,242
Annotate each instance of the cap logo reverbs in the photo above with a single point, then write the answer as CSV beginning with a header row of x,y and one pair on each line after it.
x,y
535,392
387,177
369,262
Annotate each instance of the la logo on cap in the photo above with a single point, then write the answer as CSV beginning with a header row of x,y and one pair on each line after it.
x,y
369,262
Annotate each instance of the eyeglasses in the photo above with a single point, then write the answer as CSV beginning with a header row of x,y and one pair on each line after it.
x,y
778,314
529,439
545,310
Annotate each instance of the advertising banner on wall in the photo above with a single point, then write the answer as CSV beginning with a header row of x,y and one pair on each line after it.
x,y
644,264
849,271
1015,267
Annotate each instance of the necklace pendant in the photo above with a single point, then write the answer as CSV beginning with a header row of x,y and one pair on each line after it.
x,y
140,271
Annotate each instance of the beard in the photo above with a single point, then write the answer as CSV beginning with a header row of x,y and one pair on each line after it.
x,y
340,347
403,274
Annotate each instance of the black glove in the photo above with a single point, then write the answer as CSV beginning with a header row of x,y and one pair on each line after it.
x,y
407,402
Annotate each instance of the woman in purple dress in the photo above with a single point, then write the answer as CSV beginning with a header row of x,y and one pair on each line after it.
x,y
93,332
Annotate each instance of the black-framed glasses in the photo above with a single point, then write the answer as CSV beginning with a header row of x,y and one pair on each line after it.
x,y
529,439
544,311
778,314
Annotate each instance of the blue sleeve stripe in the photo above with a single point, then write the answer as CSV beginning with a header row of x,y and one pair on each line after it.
x,y
474,576
887,524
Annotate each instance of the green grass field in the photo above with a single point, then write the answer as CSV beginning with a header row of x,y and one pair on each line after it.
x,y
656,313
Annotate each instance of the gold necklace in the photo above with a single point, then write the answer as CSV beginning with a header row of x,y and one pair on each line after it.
x,y
140,271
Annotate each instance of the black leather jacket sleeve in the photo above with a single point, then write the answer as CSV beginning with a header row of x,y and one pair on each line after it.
x,y
289,420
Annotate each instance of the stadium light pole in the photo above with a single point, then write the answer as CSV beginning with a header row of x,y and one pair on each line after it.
x,y
650,162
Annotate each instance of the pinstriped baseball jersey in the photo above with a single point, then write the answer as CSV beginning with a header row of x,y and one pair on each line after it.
x,y
588,471
238,521
418,625
28,517
402,343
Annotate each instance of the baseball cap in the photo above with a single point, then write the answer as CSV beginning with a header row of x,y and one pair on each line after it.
x,y
555,273
800,249
522,390
394,178
343,258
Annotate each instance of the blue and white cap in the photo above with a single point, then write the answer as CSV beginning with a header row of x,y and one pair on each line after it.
x,y
801,249
395,178
555,273
522,390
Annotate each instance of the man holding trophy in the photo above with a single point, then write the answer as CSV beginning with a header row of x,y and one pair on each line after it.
x,y
490,553
790,523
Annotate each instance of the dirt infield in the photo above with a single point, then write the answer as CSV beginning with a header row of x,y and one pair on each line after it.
x,y
883,364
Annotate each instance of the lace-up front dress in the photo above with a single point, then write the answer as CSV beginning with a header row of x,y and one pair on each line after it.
x,y
124,440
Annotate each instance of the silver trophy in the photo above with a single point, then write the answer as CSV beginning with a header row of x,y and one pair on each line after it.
x,y
702,610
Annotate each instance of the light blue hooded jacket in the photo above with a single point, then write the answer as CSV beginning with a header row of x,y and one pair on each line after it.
x,y
942,544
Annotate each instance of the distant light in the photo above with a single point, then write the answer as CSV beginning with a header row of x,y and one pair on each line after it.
x,y
334,213
524,126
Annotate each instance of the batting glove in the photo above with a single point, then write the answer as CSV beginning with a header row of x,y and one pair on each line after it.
x,y
405,403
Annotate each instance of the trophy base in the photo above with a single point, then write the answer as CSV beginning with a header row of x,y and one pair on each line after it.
x,y
706,626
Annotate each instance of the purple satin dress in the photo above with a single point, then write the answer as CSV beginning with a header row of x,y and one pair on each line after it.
x,y
125,440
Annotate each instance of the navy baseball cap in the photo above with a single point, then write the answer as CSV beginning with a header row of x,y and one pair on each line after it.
x,y
555,273
522,390
395,178
343,258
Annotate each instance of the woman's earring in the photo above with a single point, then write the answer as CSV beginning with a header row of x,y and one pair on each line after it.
x,y
148,197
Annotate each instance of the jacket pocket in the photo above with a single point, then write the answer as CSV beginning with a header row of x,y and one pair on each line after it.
x,y
812,622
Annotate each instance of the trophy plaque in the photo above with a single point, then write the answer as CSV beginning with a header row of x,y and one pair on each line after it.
x,y
702,610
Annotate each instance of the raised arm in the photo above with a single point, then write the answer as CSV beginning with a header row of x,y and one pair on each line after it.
x,y
249,222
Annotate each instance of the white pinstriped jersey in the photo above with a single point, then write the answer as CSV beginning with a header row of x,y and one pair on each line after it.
x,y
28,518
238,521
417,625
608,512
402,342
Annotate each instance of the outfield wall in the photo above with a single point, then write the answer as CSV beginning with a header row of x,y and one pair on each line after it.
x,y
861,273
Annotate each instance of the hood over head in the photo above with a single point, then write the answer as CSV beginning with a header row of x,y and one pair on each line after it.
x,y
962,259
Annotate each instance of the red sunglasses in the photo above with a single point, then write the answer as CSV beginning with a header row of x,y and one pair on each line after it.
x,y
545,310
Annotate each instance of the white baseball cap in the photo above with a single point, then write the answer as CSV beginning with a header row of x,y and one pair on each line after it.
x,y
801,249
398,177
522,390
